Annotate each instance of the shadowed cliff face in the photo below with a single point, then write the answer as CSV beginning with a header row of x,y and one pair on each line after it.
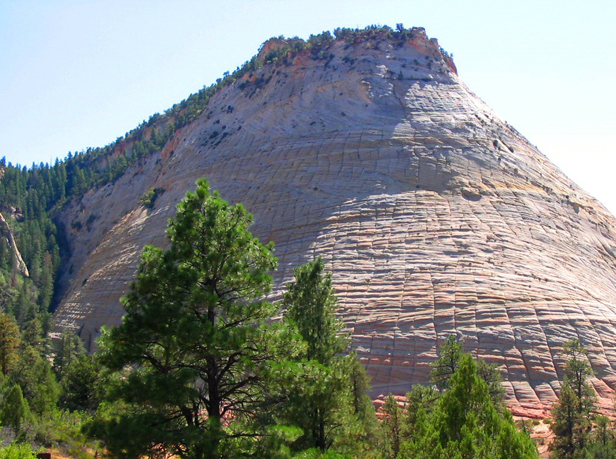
x,y
435,217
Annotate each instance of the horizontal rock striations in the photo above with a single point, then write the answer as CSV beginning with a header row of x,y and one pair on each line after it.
x,y
435,216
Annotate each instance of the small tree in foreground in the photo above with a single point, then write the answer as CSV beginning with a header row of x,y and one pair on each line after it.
x,y
602,444
572,415
80,388
14,409
447,362
466,425
392,425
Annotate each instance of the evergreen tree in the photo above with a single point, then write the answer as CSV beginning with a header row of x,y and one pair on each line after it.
x,y
37,380
572,414
198,337
602,441
492,376
68,349
363,407
447,362
577,372
34,335
466,425
392,424
311,304
14,409
9,343
46,282
80,384
323,392
421,402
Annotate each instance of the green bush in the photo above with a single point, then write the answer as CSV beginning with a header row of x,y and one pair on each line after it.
x,y
149,197
17,451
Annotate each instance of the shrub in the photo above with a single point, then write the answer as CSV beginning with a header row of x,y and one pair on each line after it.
x,y
149,197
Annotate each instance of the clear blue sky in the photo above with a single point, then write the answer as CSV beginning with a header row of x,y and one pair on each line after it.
x,y
81,73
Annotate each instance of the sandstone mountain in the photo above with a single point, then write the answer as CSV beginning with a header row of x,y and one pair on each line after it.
x,y
435,216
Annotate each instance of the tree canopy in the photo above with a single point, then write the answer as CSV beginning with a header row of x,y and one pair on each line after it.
x,y
199,333
465,424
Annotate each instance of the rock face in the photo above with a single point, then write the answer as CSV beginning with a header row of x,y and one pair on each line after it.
x,y
7,233
435,216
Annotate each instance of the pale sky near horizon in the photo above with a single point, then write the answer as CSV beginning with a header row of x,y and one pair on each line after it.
x,y
80,73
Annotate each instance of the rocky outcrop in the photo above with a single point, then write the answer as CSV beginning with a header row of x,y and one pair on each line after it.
x,y
435,216
5,230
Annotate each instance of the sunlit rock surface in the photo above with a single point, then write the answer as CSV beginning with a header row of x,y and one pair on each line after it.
x,y
435,216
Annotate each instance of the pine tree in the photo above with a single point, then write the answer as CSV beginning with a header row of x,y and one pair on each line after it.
x,y
447,362
421,402
198,336
68,349
602,442
572,414
322,393
392,424
465,424
492,376
37,380
311,303
14,409
46,282
80,384
9,344
363,406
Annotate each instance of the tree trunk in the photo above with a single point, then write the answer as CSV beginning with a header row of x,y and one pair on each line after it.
x,y
214,411
321,439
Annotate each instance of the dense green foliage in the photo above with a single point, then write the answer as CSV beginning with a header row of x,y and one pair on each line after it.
x,y
17,451
464,419
31,393
466,424
197,330
25,199
602,441
29,389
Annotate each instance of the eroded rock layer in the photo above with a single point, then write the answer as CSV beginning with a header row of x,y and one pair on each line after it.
x,y
435,217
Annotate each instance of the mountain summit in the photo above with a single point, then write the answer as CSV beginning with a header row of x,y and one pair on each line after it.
x,y
435,216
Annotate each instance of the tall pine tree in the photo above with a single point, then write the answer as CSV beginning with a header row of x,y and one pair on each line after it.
x,y
322,395
572,414
198,337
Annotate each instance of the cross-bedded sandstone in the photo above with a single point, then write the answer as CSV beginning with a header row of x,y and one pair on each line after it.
x,y
435,217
